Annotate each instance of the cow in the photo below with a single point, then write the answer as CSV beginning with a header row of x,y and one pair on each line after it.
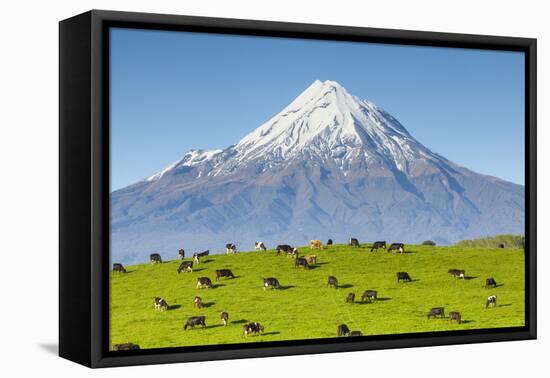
x,y
204,281
315,244
403,276
343,330
355,333
195,321
272,283
332,282
491,301
260,245
181,254
292,253
501,245
490,283
350,298
457,273
436,311
118,268
160,304
455,316
369,295
223,273
126,346
353,242
329,242
311,259
185,266
197,302
399,247
251,328
155,258
230,248
377,245
283,247
224,316
198,255
300,261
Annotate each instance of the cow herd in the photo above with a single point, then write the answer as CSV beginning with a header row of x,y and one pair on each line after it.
x,y
305,262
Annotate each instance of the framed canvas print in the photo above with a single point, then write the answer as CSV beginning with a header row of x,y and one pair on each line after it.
x,y
235,188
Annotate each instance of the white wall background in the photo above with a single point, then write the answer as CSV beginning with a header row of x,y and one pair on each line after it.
x,y
29,175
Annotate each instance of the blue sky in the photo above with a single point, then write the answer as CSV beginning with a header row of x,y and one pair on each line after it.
x,y
175,91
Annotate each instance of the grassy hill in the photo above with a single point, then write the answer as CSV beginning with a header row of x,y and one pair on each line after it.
x,y
506,240
305,307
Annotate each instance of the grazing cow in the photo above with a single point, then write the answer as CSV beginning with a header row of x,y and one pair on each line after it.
x,y
311,259
343,330
350,298
490,283
126,346
436,311
355,333
185,266
329,242
224,316
160,304
315,244
197,256
223,273
332,282
399,247
204,281
377,245
251,328
403,276
501,245
283,247
300,261
457,273
195,321
369,295
292,253
118,268
491,301
230,248
155,258
455,316
353,242
260,245
272,283
181,254
197,302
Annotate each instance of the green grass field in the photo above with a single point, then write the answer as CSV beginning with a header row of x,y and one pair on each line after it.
x,y
304,308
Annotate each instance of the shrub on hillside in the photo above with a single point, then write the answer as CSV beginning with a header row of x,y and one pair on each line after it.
x,y
429,242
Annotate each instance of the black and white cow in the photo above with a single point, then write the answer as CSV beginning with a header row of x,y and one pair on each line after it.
x,y
272,283
160,304
204,282
350,298
300,261
436,311
491,301
329,242
455,315
251,328
343,330
355,333
126,346
230,248
224,316
490,283
377,245
224,273
181,254
353,242
369,295
155,258
403,276
199,255
260,245
195,321
283,247
332,282
456,273
185,266
118,268
399,247
197,302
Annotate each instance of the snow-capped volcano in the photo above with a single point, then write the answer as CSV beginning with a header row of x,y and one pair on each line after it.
x,y
329,164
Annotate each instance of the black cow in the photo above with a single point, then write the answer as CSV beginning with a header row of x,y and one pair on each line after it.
x,y
223,273
181,254
369,295
501,245
195,321
300,261
490,283
332,282
491,301
118,268
160,304
204,281
399,247
353,243
455,316
343,330
350,298
251,328
457,273
185,266
197,256
329,242
260,245
283,247
230,248
403,276
377,245
272,283
436,311
126,346
355,333
155,258
224,316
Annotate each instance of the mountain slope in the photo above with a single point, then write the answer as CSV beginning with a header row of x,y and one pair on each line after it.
x,y
328,165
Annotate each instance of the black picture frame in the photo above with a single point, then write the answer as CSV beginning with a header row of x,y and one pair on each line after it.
x,y
84,187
